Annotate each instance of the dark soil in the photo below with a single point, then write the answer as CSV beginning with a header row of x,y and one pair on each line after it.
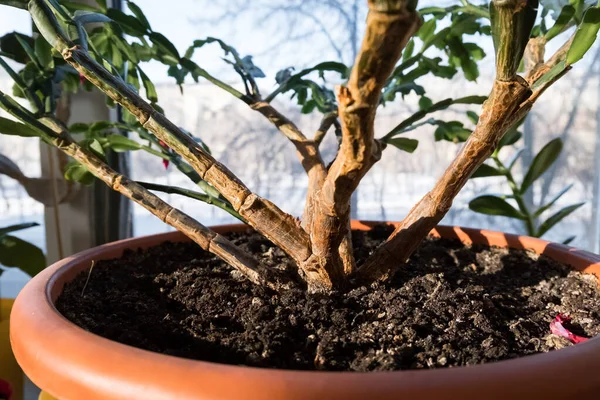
x,y
451,305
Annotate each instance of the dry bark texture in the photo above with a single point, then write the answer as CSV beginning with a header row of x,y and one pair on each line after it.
x,y
494,121
389,27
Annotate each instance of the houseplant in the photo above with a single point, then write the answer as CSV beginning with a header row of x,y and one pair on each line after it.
x,y
319,243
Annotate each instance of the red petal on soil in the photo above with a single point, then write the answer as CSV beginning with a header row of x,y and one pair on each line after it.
x,y
166,163
557,328
5,390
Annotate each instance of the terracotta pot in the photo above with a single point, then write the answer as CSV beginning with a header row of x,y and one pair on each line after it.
x,y
71,363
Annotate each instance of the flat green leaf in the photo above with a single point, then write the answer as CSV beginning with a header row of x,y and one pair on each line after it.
x,y
485,170
15,3
130,24
556,218
25,44
470,69
510,138
408,50
162,42
43,51
79,127
470,100
425,103
77,172
18,227
427,30
476,52
440,105
148,86
542,161
121,143
137,11
406,144
551,75
565,16
452,131
9,45
16,252
551,202
89,17
100,126
252,69
125,49
585,35
14,128
473,117
493,205
95,146
61,11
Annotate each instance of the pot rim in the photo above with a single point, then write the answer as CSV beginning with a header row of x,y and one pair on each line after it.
x,y
56,354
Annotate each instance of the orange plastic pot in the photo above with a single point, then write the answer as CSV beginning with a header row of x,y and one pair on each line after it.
x,y
71,363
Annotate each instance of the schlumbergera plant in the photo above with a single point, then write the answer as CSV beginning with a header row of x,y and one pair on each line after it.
x,y
70,52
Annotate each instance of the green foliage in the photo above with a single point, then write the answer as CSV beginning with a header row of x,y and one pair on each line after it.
x,y
76,172
585,35
542,161
14,128
447,130
14,3
308,93
557,217
16,252
486,170
564,18
406,144
493,205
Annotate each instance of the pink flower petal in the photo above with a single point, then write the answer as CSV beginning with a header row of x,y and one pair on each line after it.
x,y
557,328
164,146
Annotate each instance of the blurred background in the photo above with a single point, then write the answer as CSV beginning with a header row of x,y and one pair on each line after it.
x,y
280,34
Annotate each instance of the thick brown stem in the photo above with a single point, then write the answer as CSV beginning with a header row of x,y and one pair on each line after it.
x,y
534,54
204,237
497,116
308,151
390,24
326,123
264,216
535,74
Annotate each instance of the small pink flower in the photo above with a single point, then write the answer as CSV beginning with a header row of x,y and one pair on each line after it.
x,y
164,146
557,328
